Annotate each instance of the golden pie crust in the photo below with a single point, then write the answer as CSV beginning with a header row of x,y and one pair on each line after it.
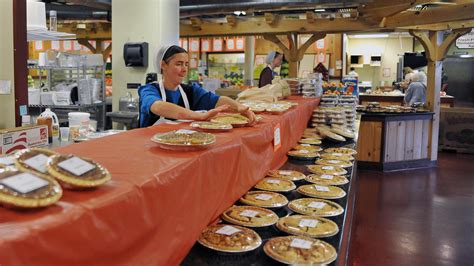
x,y
94,178
319,253
312,141
295,225
327,180
303,154
339,163
337,156
309,147
235,120
250,216
275,184
244,240
40,197
342,150
211,126
23,155
326,169
312,191
264,199
286,174
174,138
302,206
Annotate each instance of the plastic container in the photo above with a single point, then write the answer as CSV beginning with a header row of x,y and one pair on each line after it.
x,y
53,20
25,120
79,123
55,122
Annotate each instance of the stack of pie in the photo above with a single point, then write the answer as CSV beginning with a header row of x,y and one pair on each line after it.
x,y
325,179
308,147
303,154
286,174
229,238
76,172
265,199
275,184
250,216
326,170
340,163
300,250
304,225
320,191
34,160
317,207
311,141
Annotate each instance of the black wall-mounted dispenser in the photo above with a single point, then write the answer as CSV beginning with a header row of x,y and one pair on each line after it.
x,y
136,54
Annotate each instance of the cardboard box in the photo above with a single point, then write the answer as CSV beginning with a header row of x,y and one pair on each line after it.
x,y
18,138
456,129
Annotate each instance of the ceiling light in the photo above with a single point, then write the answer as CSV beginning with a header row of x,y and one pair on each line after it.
x,y
319,10
240,13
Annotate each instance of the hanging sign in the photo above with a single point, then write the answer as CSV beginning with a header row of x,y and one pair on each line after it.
x,y
466,41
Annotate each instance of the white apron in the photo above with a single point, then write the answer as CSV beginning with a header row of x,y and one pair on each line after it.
x,y
162,119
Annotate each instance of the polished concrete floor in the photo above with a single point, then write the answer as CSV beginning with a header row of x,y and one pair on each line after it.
x,y
417,217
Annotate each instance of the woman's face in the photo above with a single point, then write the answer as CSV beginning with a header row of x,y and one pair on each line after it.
x,y
277,60
176,69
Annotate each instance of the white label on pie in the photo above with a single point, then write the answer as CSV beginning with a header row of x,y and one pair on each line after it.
x,y
249,213
7,160
228,230
301,243
306,145
185,131
337,154
264,197
308,223
327,168
24,183
334,161
273,181
329,177
303,151
283,172
322,188
317,204
38,162
76,166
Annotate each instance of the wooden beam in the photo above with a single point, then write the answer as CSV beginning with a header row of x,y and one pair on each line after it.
x,y
270,18
231,20
311,40
310,17
430,50
196,23
92,31
444,47
87,44
442,26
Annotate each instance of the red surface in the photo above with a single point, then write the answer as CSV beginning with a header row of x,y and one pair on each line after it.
x,y
158,201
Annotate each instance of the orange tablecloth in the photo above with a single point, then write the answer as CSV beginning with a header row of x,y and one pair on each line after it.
x,y
157,202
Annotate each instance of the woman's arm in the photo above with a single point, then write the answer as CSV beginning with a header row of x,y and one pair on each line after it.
x,y
235,106
170,110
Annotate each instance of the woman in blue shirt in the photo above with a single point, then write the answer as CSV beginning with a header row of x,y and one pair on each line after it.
x,y
416,92
170,99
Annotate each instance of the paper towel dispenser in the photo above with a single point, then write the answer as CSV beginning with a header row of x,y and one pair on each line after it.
x,y
136,54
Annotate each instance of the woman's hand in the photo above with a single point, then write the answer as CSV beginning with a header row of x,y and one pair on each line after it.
x,y
211,113
245,110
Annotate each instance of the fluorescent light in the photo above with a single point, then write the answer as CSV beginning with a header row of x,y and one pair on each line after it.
x,y
366,36
238,13
319,10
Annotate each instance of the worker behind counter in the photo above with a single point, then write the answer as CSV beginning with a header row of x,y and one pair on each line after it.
x,y
353,73
273,60
416,92
169,99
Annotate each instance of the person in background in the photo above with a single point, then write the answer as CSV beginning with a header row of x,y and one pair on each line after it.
x,y
169,99
416,91
273,60
408,75
353,73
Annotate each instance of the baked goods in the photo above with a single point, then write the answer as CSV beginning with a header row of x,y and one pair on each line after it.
x,y
250,216
308,147
300,250
211,126
317,207
303,154
304,225
326,169
27,190
339,163
236,120
325,179
342,150
286,174
265,199
34,160
77,172
321,191
7,160
330,135
337,156
229,238
312,141
183,138
343,132
275,184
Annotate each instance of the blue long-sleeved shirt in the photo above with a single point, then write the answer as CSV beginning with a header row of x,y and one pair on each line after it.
x,y
416,93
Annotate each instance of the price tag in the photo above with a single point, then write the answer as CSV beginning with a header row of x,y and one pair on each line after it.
x,y
303,151
228,230
328,167
76,166
308,223
322,188
264,197
284,172
301,243
273,181
249,213
328,177
276,137
317,205
38,162
337,154
185,131
334,161
24,183
7,160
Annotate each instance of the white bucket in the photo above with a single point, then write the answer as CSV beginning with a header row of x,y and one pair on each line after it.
x,y
78,123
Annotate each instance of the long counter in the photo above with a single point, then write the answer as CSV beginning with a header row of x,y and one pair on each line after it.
x,y
158,201
445,101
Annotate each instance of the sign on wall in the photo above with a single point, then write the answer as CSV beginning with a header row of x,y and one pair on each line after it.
x,y
466,41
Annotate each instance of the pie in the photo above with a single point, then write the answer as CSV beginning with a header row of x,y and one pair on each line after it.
x,y
308,147
343,132
312,141
184,138
311,135
233,119
275,184
7,160
250,216
326,169
342,150
211,126
77,172
325,179
34,160
304,225
38,191
330,135
229,238
340,163
323,192
337,156
300,250
317,207
305,154
286,174
265,199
